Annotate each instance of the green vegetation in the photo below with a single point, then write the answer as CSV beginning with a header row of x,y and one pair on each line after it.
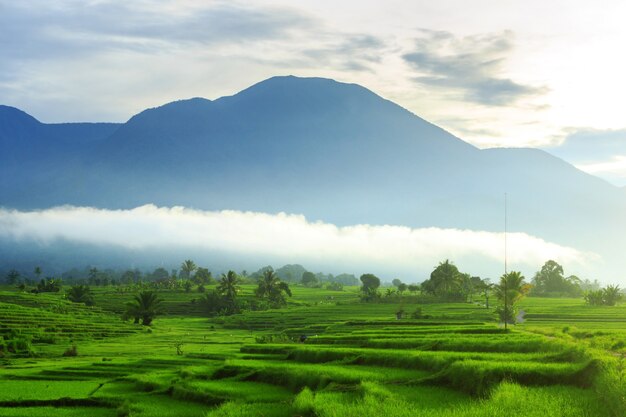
x,y
80,294
272,289
246,347
608,296
510,291
145,307
551,282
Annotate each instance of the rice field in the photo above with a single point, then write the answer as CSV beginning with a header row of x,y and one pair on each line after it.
x,y
357,359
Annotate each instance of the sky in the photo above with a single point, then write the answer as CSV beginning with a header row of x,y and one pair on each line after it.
x,y
495,73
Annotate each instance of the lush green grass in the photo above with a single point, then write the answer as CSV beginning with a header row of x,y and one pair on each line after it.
x,y
357,360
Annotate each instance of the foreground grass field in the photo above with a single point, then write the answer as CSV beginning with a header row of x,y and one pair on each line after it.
x,y
566,359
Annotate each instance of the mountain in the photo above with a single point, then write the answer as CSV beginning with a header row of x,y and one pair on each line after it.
x,y
332,151
37,157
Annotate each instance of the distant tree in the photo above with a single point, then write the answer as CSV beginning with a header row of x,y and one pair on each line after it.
x,y
550,281
594,297
309,279
445,281
145,307
203,276
396,282
37,272
49,285
214,303
159,274
413,288
370,286
509,291
485,287
93,276
334,286
228,287
129,277
402,288
12,277
288,273
187,285
272,289
587,285
611,295
80,294
187,268
346,279
258,274
608,296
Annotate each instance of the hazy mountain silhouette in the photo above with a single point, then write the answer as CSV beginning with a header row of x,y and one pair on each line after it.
x,y
332,151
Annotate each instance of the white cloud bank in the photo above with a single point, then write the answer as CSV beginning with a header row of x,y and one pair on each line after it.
x,y
285,238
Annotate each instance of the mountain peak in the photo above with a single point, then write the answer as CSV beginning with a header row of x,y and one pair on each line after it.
x,y
309,88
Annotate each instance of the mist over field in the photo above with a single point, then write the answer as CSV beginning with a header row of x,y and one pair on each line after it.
x,y
154,235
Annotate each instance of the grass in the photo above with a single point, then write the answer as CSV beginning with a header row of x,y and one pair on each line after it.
x,y
357,360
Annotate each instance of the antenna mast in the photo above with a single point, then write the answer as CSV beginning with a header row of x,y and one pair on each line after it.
x,y
505,248
506,307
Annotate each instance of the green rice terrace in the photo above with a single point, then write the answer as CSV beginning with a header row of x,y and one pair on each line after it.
x,y
326,353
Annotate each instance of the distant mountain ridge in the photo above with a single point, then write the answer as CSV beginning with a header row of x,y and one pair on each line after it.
x,y
332,151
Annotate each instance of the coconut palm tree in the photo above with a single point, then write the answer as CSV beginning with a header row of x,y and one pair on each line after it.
x,y
145,307
509,291
272,288
80,294
228,287
187,268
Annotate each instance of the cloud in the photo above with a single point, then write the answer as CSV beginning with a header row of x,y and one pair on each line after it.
x,y
101,61
283,238
352,52
470,65
45,30
598,152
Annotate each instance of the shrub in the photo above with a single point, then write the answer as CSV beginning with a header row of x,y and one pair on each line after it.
x,y
71,351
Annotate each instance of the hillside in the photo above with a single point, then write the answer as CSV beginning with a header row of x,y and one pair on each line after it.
x,y
331,151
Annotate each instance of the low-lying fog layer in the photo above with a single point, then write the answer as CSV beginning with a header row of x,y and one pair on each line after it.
x,y
285,238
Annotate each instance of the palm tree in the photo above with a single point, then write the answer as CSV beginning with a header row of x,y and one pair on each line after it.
x,y
145,306
272,288
12,277
228,287
38,272
80,294
187,268
511,289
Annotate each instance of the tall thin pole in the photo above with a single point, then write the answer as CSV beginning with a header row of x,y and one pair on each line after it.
x,y
506,307
505,225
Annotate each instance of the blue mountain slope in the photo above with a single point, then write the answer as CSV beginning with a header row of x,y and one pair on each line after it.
x,y
332,151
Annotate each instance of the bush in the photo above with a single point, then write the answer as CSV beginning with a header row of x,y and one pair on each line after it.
x,y
608,296
71,351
